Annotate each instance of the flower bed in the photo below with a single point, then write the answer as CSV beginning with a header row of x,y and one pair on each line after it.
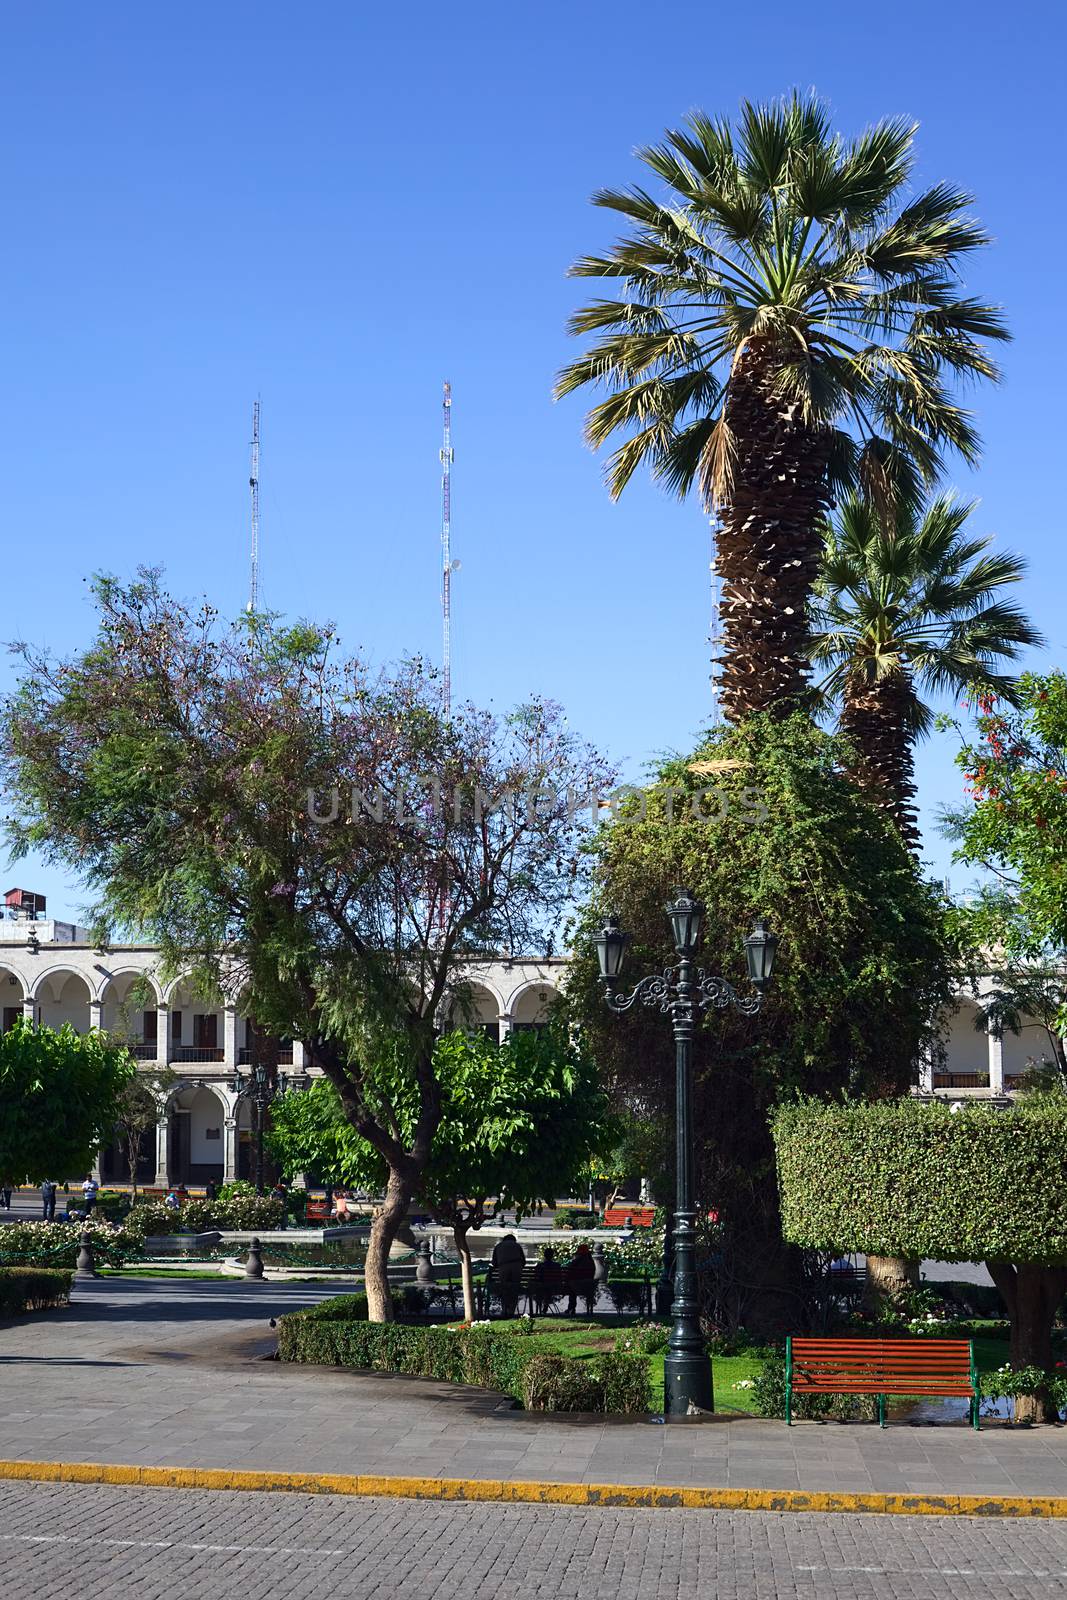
x,y
151,1218
517,1363
32,1289
55,1244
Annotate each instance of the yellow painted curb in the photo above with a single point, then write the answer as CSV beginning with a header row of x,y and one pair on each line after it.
x,y
569,1494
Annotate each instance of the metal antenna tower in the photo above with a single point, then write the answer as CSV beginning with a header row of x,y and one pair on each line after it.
x,y
715,631
253,484
448,566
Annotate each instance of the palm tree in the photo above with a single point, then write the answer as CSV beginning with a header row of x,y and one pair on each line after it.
x,y
906,610
783,332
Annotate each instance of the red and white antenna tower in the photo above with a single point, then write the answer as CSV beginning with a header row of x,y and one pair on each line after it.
x,y
253,484
448,566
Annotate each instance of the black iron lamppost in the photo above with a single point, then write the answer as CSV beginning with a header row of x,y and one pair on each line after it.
x,y
261,1091
680,992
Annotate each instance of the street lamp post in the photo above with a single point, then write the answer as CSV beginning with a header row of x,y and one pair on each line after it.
x,y
679,993
261,1091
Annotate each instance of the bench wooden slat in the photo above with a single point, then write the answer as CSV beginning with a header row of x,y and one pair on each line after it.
x,y
917,1366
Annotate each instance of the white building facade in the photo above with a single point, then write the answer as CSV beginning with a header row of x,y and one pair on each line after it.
x,y
51,974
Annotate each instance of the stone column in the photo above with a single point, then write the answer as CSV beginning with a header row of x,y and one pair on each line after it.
x,y
163,1054
996,1065
162,1151
29,1011
504,1024
229,1038
229,1149
926,1073
96,1014
299,1059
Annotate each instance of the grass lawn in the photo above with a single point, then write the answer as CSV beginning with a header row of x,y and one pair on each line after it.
x,y
572,1337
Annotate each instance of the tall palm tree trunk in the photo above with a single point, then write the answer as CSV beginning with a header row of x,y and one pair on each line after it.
x,y
769,543
875,716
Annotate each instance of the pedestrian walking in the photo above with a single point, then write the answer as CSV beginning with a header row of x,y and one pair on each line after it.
x,y
48,1200
5,1196
90,1189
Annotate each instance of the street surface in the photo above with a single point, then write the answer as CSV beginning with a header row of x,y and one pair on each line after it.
x,y
104,1543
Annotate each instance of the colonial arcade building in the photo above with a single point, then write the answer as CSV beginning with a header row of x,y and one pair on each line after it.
x,y
51,973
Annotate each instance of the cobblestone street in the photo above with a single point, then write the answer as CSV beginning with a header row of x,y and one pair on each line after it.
x,y
103,1543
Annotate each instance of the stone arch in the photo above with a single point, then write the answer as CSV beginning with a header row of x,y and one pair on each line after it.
x,y
131,1016
62,994
196,1114
475,1004
531,1004
13,992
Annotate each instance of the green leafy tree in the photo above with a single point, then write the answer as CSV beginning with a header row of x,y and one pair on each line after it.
x,y
1015,826
960,1183
518,1121
138,1110
906,608
60,1093
762,822
789,321
291,826
1019,984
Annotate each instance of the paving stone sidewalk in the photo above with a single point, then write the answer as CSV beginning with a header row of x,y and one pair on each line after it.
x,y
156,1373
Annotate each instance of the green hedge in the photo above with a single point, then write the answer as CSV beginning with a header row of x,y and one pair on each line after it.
x,y
32,1289
903,1177
518,1364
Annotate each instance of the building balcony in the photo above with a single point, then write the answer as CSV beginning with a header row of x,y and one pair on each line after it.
x,y
197,1052
144,1052
285,1055
961,1080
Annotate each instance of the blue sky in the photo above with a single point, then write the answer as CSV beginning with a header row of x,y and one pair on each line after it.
x,y
335,208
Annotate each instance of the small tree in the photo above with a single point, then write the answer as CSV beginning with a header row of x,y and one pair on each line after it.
x,y
331,842
139,1111
973,1183
59,1097
518,1121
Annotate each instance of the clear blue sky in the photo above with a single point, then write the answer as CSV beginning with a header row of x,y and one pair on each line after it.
x,y
335,207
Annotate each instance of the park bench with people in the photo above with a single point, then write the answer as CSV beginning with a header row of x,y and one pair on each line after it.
x,y
913,1368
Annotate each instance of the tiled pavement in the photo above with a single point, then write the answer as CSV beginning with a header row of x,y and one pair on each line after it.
x,y
161,1374
104,1543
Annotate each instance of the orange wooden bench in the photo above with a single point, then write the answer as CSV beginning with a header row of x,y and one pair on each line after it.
x,y
935,1367
639,1216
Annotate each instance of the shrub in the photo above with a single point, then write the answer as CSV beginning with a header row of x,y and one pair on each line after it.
x,y
629,1294
242,1212
768,1398
644,1338
553,1382
32,1289
576,1217
336,1333
55,1244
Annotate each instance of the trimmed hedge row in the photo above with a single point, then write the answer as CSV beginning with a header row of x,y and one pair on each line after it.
x,y
32,1289
517,1364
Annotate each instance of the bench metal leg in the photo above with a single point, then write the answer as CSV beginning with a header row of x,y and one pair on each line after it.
x,y
881,1410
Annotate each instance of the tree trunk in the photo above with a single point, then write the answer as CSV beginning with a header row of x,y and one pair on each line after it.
x,y
384,1230
886,1277
461,1234
874,715
769,543
1033,1296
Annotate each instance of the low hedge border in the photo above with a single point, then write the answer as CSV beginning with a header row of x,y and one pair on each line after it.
x,y
517,1364
32,1289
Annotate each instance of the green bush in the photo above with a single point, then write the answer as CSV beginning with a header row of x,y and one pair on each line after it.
x,y
335,1333
32,1289
643,1338
576,1217
768,1399
554,1382
241,1211
55,1244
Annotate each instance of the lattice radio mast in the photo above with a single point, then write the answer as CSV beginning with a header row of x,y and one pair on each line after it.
x,y
253,484
448,566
